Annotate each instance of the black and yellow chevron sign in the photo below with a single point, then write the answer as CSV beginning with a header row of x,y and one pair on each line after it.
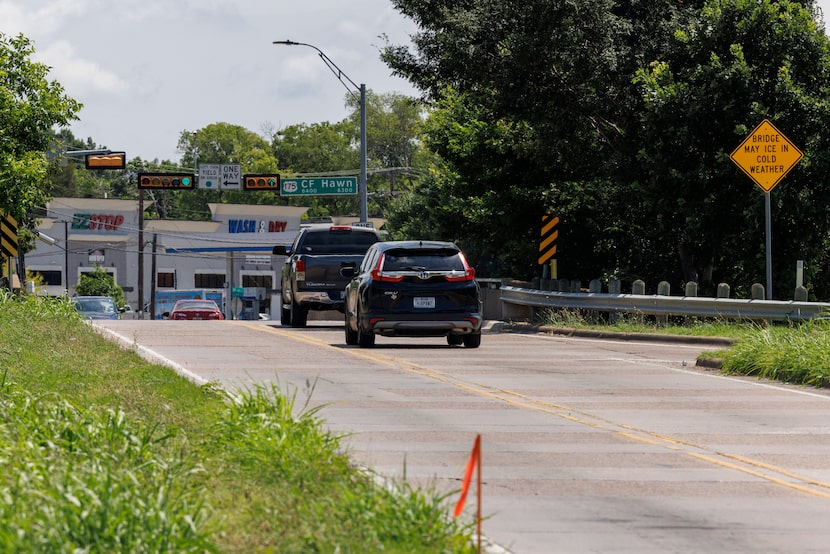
x,y
547,244
8,236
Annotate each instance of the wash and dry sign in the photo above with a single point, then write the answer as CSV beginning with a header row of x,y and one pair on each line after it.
x,y
766,155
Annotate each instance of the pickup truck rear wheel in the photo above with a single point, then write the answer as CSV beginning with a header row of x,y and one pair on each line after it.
x,y
285,316
299,315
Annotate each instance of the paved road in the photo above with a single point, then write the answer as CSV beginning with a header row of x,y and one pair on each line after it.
x,y
587,445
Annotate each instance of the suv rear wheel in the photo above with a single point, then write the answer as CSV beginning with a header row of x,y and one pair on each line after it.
x,y
472,340
351,336
364,339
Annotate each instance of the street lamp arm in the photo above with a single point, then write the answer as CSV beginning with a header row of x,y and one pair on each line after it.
x,y
364,211
333,67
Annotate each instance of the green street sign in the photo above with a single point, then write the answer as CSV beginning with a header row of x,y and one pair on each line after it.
x,y
237,292
307,186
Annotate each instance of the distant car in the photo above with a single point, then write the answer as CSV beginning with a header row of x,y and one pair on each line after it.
x,y
196,309
96,307
413,289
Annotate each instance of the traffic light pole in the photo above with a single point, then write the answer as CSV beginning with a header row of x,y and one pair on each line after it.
x,y
361,89
140,253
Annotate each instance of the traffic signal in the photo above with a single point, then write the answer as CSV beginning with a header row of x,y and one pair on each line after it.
x,y
113,160
166,180
261,181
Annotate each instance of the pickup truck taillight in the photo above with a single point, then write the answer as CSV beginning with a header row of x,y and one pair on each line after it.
x,y
299,270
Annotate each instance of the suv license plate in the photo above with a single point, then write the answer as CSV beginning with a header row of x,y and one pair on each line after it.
x,y
423,302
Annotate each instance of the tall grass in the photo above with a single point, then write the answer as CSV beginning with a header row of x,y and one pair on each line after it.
x,y
793,352
798,354
640,323
103,452
90,480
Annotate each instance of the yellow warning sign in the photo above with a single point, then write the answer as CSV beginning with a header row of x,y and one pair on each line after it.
x,y
8,235
766,155
547,242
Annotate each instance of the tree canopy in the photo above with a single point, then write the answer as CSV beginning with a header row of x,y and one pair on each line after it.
x,y
618,117
30,106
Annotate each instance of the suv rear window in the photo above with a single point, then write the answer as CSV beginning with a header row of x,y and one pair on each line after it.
x,y
422,260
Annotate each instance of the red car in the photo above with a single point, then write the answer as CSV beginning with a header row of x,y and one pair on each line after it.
x,y
196,309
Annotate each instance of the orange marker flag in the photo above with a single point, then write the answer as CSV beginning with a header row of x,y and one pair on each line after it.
x,y
468,475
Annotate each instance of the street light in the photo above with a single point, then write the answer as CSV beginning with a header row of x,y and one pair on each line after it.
x,y
364,210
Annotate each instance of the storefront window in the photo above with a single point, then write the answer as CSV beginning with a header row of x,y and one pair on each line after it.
x,y
166,279
209,280
51,278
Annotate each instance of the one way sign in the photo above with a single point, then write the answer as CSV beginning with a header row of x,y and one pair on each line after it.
x,y
231,176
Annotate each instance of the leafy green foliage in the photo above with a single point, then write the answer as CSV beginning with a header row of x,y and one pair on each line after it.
x,y
394,153
29,107
734,64
88,478
100,283
618,117
106,453
798,354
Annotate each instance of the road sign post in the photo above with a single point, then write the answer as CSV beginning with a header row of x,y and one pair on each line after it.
x,y
766,156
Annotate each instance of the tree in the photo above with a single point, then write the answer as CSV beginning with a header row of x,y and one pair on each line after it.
x,y
220,143
736,63
558,107
100,283
393,149
30,106
321,148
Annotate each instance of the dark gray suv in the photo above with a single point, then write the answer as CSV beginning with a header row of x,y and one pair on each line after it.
x,y
413,289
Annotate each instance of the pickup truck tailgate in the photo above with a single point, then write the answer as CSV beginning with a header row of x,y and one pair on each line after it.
x,y
323,272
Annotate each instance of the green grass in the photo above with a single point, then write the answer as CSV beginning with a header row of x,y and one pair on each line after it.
x,y
633,323
791,352
799,354
103,452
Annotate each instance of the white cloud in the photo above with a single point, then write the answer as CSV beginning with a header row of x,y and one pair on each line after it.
x,y
146,70
78,76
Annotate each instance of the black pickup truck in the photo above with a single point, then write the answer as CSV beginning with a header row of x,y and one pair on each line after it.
x,y
312,277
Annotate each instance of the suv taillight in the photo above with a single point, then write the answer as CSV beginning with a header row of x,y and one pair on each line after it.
x,y
378,275
468,275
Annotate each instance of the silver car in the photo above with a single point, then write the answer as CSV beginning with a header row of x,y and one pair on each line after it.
x,y
96,307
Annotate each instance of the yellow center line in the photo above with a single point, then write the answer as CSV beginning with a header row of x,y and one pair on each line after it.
x,y
745,465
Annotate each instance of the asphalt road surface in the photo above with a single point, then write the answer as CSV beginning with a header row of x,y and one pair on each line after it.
x,y
588,445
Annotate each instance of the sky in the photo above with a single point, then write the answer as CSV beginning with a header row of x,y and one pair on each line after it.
x,y
146,70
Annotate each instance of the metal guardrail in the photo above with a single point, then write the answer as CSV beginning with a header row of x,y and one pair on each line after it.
x,y
667,305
